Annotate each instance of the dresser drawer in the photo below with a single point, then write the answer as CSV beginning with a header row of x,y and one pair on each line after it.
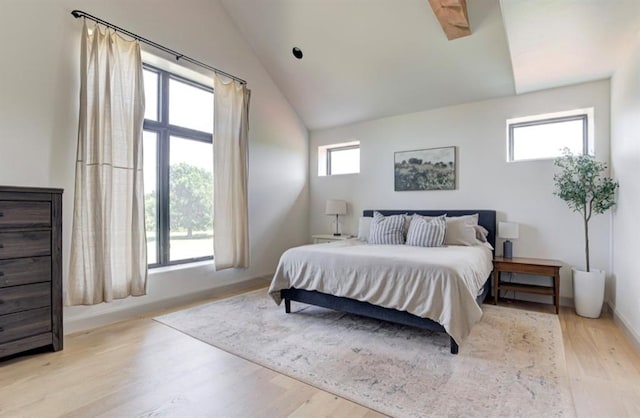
x,y
25,271
23,298
24,244
24,214
24,324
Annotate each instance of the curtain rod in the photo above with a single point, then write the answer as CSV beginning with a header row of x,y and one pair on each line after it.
x,y
179,56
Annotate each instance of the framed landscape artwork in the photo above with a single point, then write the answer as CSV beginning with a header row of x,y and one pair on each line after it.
x,y
425,169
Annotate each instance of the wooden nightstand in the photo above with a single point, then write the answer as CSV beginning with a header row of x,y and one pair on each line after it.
x,y
320,239
535,266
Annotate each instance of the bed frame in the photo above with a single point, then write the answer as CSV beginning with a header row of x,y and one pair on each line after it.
x,y
487,218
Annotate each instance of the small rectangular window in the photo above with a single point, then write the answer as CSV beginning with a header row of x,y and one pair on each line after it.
x,y
338,159
545,136
343,160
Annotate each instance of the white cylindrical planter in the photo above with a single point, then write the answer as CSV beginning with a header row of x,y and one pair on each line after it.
x,y
588,292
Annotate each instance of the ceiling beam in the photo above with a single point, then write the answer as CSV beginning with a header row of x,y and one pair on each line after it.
x,y
453,17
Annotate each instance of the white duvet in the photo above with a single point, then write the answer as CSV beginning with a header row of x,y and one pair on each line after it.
x,y
436,283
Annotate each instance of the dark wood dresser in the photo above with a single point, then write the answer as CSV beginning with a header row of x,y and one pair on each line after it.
x,y
30,269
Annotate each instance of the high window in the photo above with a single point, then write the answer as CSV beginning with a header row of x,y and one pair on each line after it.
x,y
178,168
337,159
545,136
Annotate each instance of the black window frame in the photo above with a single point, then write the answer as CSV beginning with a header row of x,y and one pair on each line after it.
x,y
339,148
164,131
584,117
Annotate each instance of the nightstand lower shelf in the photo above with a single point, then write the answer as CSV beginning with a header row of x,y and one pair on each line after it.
x,y
527,288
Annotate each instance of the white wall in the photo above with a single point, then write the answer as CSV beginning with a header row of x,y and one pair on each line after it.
x,y
520,192
625,158
39,88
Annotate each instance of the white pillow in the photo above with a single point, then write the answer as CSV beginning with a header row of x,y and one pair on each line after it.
x,y
425,232
468,219
481,233
364,225
386,230
460,232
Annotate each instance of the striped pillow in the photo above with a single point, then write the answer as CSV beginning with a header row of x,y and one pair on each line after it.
x,y
425,232
386,230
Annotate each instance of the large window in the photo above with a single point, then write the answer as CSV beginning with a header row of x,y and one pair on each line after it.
x,y
178,168
337,159
545,136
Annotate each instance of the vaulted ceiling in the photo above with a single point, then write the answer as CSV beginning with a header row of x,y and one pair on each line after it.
x,y
365,59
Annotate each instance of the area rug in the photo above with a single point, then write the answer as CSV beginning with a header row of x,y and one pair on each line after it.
x,y
512,364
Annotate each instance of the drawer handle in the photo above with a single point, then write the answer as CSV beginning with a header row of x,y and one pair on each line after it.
x,y
1,245
1,214
1,273
1,329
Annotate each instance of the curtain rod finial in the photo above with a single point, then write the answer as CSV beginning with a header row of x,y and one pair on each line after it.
x,y
76,13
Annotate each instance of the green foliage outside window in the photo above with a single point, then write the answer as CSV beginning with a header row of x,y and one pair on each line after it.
x,y
191,197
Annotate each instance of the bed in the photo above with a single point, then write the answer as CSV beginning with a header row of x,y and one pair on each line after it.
x,y
358,278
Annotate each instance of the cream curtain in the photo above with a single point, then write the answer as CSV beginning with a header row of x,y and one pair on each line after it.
x,y
230,202
108,245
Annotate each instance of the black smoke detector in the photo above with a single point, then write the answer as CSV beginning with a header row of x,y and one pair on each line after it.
x,y
297,52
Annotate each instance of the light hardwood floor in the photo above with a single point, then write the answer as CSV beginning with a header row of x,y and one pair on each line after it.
x,y
143,368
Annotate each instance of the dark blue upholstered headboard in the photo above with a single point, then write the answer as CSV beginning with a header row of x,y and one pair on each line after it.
x,y
486,218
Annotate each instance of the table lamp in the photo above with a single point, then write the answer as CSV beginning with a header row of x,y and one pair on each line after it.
x,y
508,230
336,207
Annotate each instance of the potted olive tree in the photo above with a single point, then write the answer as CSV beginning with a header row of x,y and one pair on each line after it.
x,y
583,184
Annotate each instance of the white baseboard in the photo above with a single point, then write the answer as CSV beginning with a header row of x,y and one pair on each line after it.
x,y
86,323
622,322
565,301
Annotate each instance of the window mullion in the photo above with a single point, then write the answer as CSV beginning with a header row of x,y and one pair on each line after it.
x,y
190,134
163,192
164,169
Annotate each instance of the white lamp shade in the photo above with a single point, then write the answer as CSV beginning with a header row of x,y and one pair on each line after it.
x,y
508,230
336,207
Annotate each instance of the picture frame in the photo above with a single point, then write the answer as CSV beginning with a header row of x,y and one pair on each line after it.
x,y
425,169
